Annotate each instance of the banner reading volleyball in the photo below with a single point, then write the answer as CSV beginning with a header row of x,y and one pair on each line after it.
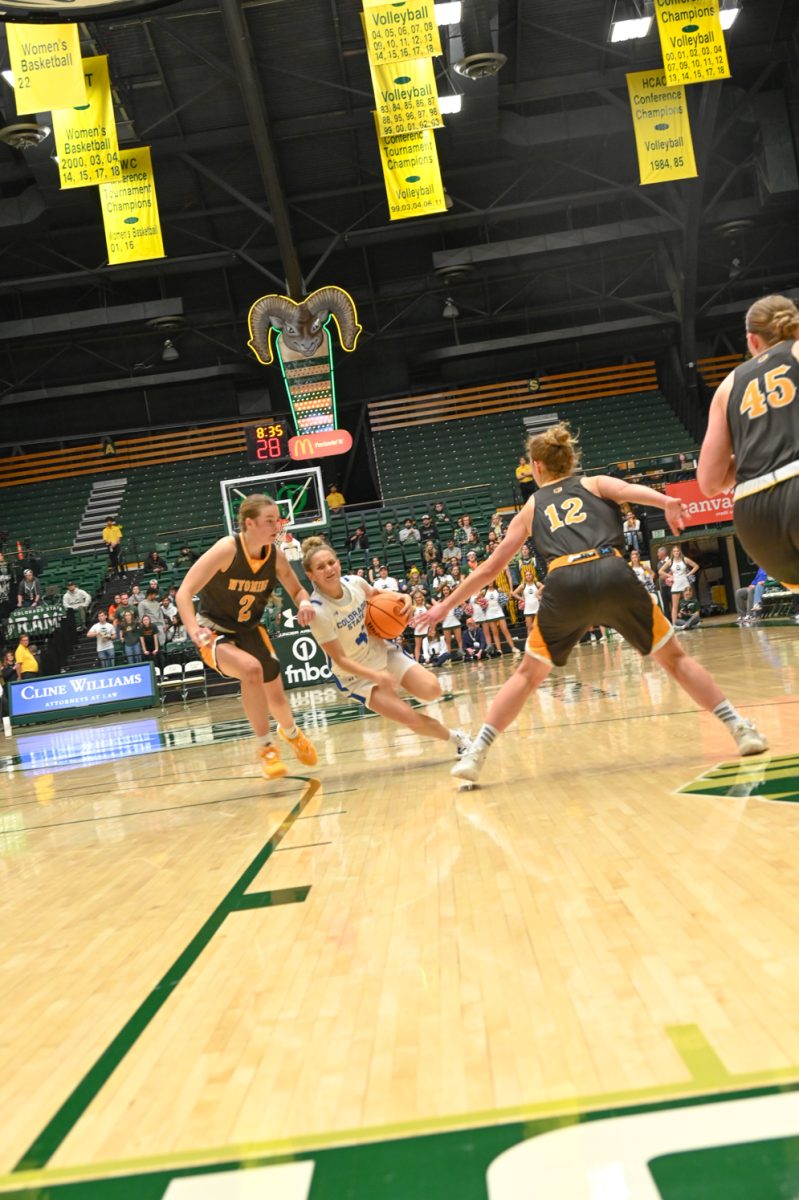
x,y
404,30
412,175
406,97
86,135
662,128
130,210
692,41
46,65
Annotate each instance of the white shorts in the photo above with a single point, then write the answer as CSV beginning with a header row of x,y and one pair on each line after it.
x,y
397,663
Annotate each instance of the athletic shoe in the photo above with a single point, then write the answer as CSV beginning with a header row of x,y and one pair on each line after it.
x,y
469,765
303,749
272,766
748,739
464,742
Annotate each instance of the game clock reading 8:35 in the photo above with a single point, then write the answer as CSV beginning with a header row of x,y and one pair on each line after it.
x,y
268,441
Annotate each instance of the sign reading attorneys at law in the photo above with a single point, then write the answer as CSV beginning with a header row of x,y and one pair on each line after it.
x,y
86,135
411,174
701,509
662,128
130,210
110,689
692,41
46,65
405,30
406,97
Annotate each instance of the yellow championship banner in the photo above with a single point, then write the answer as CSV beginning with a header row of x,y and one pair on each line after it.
x,y
412,174
130,210
406,97
692,41
46,65
86,135
662,129
405,30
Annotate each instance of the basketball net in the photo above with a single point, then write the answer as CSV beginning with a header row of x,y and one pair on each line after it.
x,y
282,529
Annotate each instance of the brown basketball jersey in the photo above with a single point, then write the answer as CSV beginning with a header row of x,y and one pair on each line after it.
x,y
568,519
763,412
235,599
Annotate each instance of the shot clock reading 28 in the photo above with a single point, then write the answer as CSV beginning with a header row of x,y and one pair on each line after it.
x,y
268,441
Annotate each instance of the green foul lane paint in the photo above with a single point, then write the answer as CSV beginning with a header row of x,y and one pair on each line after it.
x,y
772,779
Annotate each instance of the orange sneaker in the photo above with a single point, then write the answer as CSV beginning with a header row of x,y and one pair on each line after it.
x,y
304,750
272,766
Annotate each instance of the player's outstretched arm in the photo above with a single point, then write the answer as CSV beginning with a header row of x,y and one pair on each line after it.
x,y
621,492
218,558
716,470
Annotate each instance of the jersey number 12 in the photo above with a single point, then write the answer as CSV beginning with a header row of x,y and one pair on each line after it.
x,y
573,508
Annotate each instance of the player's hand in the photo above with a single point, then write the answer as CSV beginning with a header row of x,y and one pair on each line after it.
x,y
675,513
407,605
305,613
200,636
431,617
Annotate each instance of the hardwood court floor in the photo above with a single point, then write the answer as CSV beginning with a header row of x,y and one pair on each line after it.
x,y
194,960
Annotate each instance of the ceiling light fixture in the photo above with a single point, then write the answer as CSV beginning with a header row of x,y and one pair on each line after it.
x,y
451,104
9,77
627,31
728,16
450,310
449,13
169,352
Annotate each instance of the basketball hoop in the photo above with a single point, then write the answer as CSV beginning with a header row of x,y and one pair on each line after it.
x,y
282,530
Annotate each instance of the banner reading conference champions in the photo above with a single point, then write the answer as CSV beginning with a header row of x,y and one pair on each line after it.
x,y
662,128
130,210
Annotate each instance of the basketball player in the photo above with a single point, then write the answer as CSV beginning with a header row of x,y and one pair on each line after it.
x,y
576,524
752,440
235,578
366,668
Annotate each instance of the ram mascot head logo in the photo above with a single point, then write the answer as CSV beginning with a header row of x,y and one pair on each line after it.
x,y
302,325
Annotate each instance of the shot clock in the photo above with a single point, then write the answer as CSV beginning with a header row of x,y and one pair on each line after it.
x,y
268,441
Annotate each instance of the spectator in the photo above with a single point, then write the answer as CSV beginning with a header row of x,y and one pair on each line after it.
x,y
420,631
150,641
136,597
435,652
154,563
130,636
442,520
642,573
414,581
358,540
114,605
451,553
126,604
168,611
409,533
497,527
441,580
335,499
385,582
455,573
451,625
29,594
77,601
747,599
8,671
524,478
389,533
430,553
661,569
112,536
291,547
5,586
374,570
688,616
26,660
176,633
465,533
185,558
632,532
474,642
471,562
427,530
149,607
529,592
103,630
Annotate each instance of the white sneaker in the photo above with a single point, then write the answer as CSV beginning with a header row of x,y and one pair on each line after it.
x,y
463,743
748,739
469,765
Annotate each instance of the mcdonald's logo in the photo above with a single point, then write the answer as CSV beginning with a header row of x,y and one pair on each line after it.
x,y
320,445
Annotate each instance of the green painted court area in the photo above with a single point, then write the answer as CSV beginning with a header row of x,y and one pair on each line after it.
x,y
753,1171
773,779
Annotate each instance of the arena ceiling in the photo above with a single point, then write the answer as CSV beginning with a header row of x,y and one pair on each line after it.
x,y
267,172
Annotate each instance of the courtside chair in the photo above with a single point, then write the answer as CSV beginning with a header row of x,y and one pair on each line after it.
x,y
194,676
171,680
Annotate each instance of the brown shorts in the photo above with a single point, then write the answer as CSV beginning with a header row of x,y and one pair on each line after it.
x,y
253,641
767,524
603,591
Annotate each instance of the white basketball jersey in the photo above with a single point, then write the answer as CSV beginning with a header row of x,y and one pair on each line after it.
x,y
345,619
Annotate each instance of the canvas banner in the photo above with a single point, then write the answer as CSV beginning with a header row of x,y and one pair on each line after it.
x,y
405,30
406,97
47,67
662,128
412,175
130,210
692,41
86,135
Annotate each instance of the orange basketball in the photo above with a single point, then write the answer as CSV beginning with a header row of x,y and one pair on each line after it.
x,y
386,614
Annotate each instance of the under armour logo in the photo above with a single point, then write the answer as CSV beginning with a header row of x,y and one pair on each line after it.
x,y
289,618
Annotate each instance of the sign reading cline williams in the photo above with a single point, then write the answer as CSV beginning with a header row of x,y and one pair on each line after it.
x,y
91,691
130,210
662,129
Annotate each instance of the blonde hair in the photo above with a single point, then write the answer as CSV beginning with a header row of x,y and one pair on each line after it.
x,y
310,547
774,319
556,448
251,507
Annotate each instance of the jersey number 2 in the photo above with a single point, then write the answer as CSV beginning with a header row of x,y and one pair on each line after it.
x,y
573,508
779,392
245,604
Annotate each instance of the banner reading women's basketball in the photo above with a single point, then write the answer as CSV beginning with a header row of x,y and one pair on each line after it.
x,y
46,65
411,173
405,30
86,135
130,210
692,41
662,128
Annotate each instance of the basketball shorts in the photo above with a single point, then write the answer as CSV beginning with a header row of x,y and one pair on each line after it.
x,y
767,525
395,661
254,641
603,591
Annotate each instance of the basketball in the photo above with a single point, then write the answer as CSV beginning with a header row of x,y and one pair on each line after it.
x,y
386,614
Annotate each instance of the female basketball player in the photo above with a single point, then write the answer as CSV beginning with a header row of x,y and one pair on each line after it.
x,y
366,668
235,579
680,569
576,524
752,440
